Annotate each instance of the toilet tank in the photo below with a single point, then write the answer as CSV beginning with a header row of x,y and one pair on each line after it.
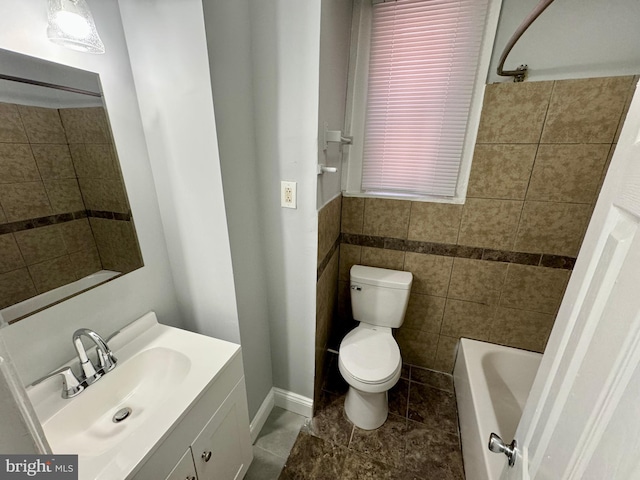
x,y
379,296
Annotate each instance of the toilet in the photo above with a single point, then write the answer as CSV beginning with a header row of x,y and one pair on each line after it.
x,y
369,357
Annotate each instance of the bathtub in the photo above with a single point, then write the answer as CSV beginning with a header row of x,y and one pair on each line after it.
x,y
492,385
51,297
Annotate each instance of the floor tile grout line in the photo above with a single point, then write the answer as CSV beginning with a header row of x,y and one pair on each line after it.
x,y
408,397
353,431
274,453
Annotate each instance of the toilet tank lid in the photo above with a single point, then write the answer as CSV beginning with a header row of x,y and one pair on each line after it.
x,y
381,277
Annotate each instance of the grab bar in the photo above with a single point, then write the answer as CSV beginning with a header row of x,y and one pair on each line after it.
x,y
520,73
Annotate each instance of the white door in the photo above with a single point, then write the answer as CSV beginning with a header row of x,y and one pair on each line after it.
x,y
582,419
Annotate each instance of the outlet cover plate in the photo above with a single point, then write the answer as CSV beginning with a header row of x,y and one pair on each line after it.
x,y
288,194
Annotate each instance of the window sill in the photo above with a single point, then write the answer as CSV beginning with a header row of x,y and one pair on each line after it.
x,y
410,197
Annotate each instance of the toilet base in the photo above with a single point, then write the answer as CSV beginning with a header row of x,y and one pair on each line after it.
x,y
367,411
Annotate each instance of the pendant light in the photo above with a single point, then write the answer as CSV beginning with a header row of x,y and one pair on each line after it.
x,y
71,25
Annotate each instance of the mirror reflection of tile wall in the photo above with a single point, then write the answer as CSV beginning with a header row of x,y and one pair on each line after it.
x,y
64,211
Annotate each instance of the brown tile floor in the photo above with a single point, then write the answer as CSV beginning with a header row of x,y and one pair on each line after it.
x,y
418,441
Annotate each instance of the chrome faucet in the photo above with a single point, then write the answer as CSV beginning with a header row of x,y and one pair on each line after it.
x,y
73,385
106,360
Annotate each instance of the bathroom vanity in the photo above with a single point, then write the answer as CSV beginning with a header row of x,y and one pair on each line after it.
x,y
209,446
183,399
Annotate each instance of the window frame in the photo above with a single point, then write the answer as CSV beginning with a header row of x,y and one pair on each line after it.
x,y
356,104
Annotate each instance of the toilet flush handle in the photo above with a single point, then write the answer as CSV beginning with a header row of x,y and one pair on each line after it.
x,y
357,288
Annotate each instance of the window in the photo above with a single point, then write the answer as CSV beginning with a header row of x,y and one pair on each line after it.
x,y
415,93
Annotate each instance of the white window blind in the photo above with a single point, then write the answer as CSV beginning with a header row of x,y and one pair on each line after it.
x,y
423,61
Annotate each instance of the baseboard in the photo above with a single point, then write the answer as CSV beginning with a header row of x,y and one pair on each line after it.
x,y
261,416
279,398
293,402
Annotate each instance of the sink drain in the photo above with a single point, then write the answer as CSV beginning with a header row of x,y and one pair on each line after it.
x,y
121,415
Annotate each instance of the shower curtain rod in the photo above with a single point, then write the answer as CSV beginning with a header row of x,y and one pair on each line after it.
x,y
49,85
520,73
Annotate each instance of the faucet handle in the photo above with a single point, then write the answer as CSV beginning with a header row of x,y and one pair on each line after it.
x,y
71,385
106,360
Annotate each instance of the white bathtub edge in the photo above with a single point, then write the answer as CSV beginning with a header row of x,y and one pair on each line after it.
x,y
472,446
474,372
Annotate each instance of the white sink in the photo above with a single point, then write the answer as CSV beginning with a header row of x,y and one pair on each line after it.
x,y
85,425
161,371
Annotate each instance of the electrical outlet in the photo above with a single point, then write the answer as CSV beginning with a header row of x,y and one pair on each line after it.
x,y
288,194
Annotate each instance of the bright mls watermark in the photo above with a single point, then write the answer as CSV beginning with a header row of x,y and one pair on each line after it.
x,y
49,467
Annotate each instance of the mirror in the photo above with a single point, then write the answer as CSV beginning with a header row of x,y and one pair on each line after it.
x,y
65,221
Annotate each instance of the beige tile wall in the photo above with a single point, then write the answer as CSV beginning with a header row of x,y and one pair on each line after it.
x,y
94,159
541,155
98,172
117,244
327,284
37,178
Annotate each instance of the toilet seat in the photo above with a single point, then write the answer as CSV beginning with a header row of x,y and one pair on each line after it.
x,y
370,355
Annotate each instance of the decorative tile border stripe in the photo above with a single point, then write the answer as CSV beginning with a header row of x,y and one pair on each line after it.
x,y
512,257
126,217
32,223
327,258
557,261
459,251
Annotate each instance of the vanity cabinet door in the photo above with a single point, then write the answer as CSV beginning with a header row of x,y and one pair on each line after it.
x,y
222,451
185,469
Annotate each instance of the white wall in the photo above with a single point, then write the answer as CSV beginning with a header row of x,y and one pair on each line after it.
x,y
335,38
571,39
13,64
15,437
43,341
285,51
21,432
229,43
168,50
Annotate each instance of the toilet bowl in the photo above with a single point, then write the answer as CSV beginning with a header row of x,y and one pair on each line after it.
x,y
370,363
369,358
